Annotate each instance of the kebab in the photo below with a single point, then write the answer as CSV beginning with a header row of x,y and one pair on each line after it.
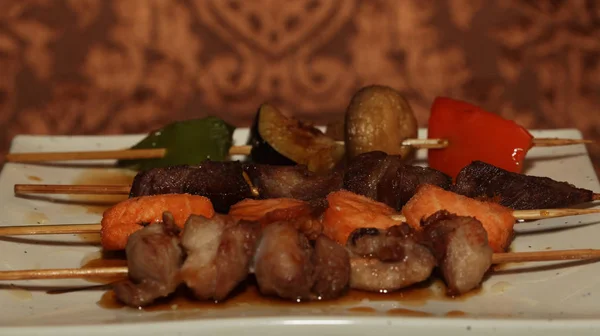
x,y
287,265
274,245
213,256
128,216
375,174
378,118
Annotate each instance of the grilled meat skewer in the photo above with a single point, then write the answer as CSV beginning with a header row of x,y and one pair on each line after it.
x,y
289,265
222,182
517,191
376,175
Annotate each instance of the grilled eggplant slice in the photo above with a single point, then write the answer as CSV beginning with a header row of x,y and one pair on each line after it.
x,y
278,139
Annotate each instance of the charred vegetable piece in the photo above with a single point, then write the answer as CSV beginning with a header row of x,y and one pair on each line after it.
x,y
262,151
187,142
475,134
379,119
295,142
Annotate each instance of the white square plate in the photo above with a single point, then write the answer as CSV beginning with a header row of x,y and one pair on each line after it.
x,y
537,298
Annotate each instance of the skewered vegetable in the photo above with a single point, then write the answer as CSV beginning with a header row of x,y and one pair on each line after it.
x,y
379,119
281,140
475,134
186,142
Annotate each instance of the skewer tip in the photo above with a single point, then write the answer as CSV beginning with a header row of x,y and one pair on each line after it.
x,y
550,142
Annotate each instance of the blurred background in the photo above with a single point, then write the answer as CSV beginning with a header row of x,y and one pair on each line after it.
x,y
129,66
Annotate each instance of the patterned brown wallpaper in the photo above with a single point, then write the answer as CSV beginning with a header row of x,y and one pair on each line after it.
x,y
114,66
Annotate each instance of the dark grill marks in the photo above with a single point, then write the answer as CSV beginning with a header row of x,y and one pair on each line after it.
x,y
222,182
388,260
292,181
517,191
386,179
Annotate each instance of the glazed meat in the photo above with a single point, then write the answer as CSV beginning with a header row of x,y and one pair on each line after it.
x,y
517,191
288,266
292,181
282,264
388,260
306,218
331,269
364,172
153,259
461,248
222,182
387,179
376,175
219,252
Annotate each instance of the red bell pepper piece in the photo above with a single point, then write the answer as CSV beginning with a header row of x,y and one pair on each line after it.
x,y
475,134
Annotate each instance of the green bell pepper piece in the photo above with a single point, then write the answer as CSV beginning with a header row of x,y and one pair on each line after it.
x,y
187,142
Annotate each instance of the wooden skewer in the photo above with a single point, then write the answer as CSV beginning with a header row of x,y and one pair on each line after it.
x,y
74,189
111,272
64,273
550,142
534,214
157,153
127,154
509,257
28,230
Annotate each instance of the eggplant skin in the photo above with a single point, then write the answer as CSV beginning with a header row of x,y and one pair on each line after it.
x,y
262,152
276,138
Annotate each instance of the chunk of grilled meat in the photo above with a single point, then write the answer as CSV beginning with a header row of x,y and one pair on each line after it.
x,y
388,260
222,182
387,179
306,218
461,248
219,252
282,264
153,259
331,269
287,266
292,181
517,191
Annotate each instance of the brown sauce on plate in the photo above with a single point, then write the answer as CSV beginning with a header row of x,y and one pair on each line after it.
x,y
456,313
366,310
249,294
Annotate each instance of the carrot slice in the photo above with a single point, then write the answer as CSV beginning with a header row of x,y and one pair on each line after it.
x,y
254,210
348,211
125,218
497,220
